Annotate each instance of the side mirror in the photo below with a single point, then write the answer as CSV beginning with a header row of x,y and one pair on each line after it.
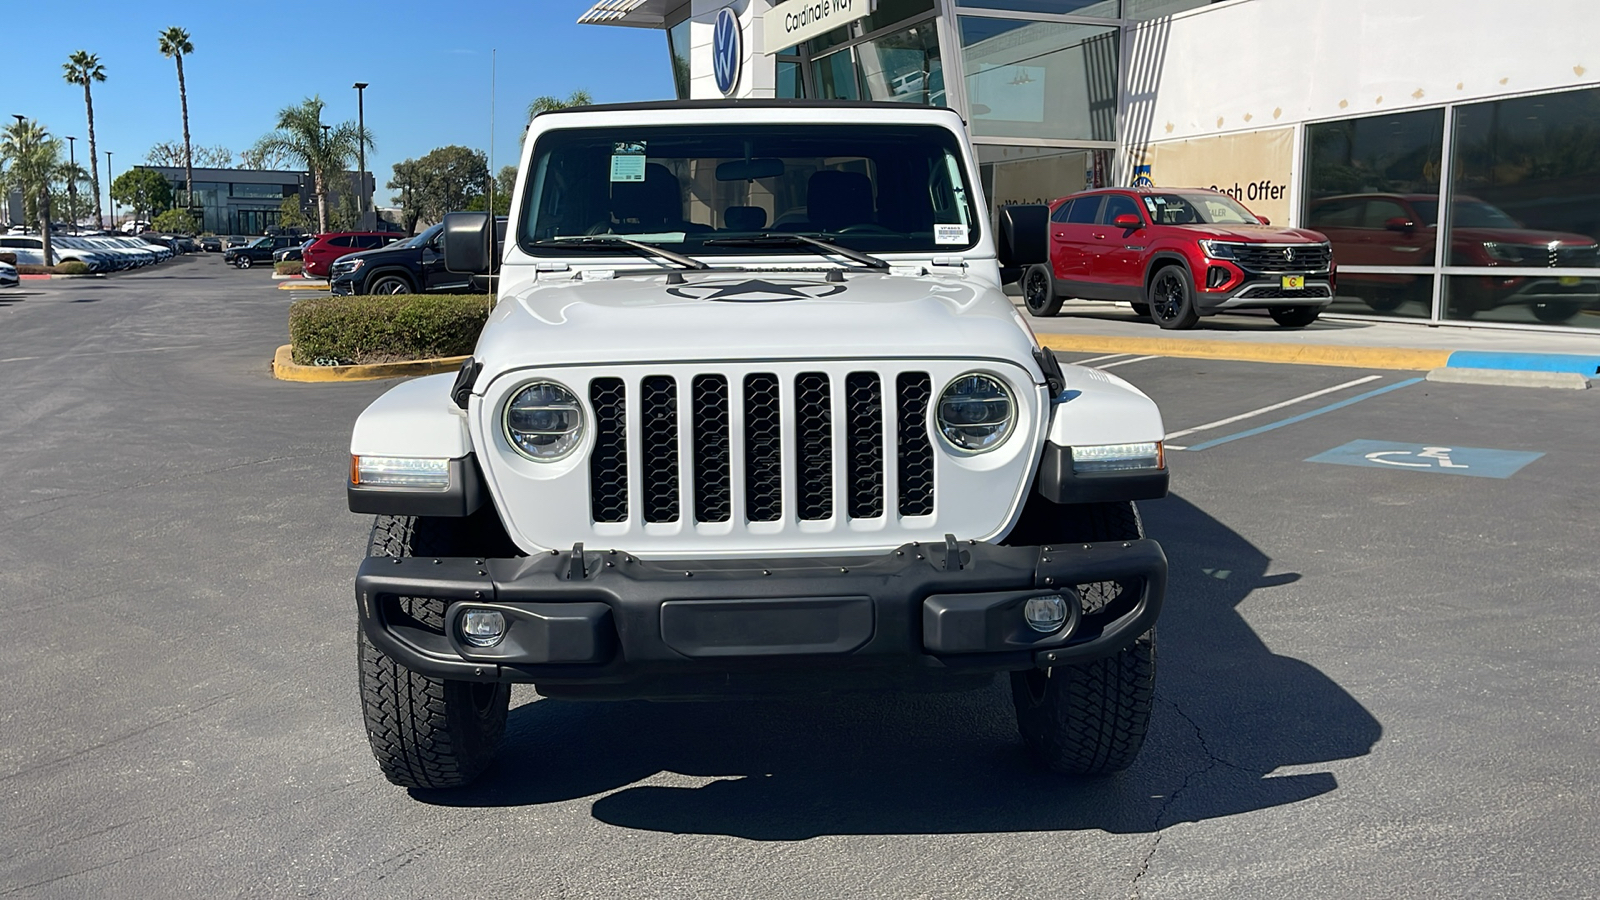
x,y
1128,220
1264,220
468,246
1024,235
1400,223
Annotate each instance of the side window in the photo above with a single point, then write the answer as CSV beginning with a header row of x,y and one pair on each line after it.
x,y
1381,211
1335,214
344,241
1117,205
1060,215
1084,210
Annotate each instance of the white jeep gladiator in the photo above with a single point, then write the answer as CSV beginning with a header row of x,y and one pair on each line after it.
x,y
752,414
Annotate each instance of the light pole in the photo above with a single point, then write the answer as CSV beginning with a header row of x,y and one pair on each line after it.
x,y
72,181
361,148
108,192
20,120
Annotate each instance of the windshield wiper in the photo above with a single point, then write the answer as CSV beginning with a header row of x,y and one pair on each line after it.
x,y
779,239
610,240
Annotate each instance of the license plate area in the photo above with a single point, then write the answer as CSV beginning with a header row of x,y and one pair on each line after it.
x,y
1294,282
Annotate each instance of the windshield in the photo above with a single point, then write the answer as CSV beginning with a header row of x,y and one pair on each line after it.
x,y
867,187
1197,209
421,239
261,242
1466,214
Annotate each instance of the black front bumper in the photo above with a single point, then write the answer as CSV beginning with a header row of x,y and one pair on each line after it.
x,y
607,624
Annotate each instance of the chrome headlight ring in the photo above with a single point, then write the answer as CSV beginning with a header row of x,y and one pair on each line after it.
x,y
975,413
543,421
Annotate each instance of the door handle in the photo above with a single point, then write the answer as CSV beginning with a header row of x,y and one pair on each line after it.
x,y
1100,237
1062,235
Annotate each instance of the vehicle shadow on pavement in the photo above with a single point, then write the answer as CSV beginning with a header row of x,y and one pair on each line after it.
x,y
1229,713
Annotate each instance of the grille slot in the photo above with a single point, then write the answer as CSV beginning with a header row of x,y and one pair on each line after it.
x,y
813,445
658,432
914,391
608,464
1270,258
864,442
763,448
713,476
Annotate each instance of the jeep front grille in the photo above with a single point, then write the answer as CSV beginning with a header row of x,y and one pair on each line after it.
x,y
787,471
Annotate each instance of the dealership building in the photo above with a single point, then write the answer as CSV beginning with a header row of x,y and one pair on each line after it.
x,y
1450,149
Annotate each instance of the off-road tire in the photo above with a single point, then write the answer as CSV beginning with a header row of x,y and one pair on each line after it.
x,y
1293,316
426,732
1091,718
1171,298
1039,292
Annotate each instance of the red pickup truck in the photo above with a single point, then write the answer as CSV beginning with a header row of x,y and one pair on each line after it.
x,y
1177,254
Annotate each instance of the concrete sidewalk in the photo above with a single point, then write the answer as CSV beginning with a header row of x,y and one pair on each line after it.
x,y
1113,328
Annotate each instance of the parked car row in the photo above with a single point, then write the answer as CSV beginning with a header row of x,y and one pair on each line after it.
x,y
260,250
101,253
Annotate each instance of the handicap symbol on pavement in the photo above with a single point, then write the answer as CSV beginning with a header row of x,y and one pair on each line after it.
x,y
1476,461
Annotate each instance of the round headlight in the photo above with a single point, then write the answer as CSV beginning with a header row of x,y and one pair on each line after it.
x,y
976,412
544,421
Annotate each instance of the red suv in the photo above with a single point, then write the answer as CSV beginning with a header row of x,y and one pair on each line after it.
x,y
319,255
1178,254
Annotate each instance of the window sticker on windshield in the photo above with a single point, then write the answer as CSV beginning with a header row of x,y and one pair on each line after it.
x,y
949,234
1150,203
627,161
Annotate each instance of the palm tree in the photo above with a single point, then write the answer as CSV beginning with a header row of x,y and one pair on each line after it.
x,y
547,103
174,44
324,150
84,68
33,160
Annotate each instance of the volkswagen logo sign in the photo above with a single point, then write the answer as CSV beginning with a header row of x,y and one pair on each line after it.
x,y
1288,254
725,53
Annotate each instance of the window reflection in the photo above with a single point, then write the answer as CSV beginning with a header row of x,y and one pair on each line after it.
x,y
1539,300
1526,174
1106,8
1370,183
1040,79
904,66
1400,295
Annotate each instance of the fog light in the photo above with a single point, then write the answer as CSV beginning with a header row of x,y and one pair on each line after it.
x,y
1045,614
484,627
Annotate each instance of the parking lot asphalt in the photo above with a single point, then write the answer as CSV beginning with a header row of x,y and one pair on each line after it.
x,y
1378,674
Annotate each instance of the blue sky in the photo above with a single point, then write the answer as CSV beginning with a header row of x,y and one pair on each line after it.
x,y
427,65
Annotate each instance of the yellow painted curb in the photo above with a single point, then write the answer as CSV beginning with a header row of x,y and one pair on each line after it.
x,y
1243,351
285,369
293,286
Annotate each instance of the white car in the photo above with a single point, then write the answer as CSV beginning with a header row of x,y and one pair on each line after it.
x,y
8,275
694,455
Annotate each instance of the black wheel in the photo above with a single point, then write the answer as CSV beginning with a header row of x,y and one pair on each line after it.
x,y
1172,298
243,262
1553,311
389,284
1091,719
426,732
1039,292
1294,316
1142,310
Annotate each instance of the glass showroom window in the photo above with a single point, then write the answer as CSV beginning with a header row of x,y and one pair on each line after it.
x,y
1523,176
678,50
904,66
1372,186
1097,8
1040,80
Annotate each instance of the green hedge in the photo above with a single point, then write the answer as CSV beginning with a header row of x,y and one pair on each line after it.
x,y
287,267
388,328
72,267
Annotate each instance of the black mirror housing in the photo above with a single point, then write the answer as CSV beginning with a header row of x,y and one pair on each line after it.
x,y
468,243
1024,235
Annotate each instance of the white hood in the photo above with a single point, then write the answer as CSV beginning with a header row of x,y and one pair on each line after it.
x,y
751,315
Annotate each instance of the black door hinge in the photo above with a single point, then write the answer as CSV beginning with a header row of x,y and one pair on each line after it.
x,y
461,391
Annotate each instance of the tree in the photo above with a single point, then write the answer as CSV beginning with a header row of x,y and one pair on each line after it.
x,y
174,221
504,182
547,103
171,153
346,216
324,152
32,161
447,179
143,190
84,68
263,158
292,216
174,44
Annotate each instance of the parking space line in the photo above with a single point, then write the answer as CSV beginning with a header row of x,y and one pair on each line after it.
x,y
1305,415
1093,359
1266,409
1123,362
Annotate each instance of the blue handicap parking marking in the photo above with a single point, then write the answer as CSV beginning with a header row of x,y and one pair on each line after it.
x,y
1477,461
